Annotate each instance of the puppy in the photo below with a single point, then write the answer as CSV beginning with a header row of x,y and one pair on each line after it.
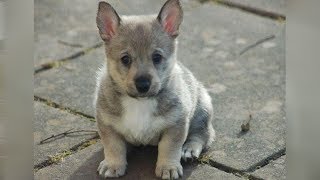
x,y
144,96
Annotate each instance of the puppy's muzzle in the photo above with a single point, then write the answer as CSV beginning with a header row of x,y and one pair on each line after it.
x,y
143,83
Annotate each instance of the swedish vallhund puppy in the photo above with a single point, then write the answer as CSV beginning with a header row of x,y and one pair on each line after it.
x,y
145,96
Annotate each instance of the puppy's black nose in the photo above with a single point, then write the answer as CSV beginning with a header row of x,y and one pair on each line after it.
x,y
143,84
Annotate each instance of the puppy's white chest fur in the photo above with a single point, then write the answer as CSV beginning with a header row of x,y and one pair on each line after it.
x,y
138,123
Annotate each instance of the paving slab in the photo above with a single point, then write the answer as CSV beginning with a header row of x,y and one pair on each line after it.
x,y
211,40
256,88
64,27
206,172
275,170
240,85
141,165
73,83
49,121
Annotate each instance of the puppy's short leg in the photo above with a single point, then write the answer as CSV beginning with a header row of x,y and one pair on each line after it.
x,y
201,134
115,162
169,153
195,144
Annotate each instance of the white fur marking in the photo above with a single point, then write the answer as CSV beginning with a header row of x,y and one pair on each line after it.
x,y
138,123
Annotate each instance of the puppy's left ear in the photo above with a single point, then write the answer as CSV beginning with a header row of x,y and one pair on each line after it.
x,y
170,17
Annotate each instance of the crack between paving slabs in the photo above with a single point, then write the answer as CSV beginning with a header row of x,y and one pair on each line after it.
x,y
69,110
267,160
244,173
59,156
59,62
65,153
214,164
62,154
230,170
253,10
265,165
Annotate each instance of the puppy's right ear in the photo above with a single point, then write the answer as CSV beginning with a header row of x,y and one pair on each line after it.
x,y
108,21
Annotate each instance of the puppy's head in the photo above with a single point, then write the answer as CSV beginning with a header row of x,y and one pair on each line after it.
x,y
140,49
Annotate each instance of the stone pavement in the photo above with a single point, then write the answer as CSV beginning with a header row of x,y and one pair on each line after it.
x,y
239,55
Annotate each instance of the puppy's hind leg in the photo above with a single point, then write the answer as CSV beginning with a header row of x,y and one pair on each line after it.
x,y
201,135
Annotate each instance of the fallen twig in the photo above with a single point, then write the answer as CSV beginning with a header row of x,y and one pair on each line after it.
x,y
65,134
70,44
59,62
246,125
257,43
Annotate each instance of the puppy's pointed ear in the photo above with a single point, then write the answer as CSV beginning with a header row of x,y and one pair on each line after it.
x,y
170,17
108,21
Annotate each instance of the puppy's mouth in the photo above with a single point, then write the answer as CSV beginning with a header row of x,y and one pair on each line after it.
x,y
146,95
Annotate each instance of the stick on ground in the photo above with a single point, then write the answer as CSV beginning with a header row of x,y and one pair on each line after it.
x,y
257,43
65,134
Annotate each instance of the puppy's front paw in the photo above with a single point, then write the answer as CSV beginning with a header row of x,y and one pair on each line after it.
x,y
169,171
111,170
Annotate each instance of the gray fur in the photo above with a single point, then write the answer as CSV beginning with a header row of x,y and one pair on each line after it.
x,y
175,114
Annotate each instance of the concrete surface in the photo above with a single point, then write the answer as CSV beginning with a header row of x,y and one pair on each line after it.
x,y
212,39
72,22
72,84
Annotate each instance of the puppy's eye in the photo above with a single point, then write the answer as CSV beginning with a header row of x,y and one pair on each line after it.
x,y
156,58
125,60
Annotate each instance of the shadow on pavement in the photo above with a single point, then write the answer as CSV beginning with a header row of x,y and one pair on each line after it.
x,y
141,165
